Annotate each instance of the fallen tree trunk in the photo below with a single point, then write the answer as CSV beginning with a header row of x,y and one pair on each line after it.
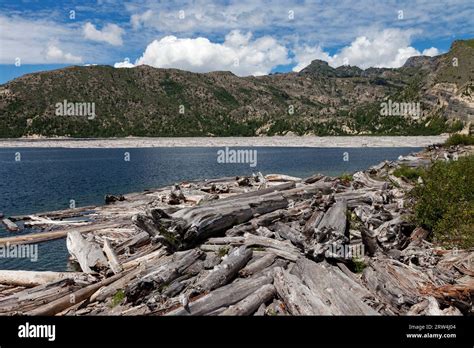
x,y
156,277
298,298
252,302
10,225
46,236
186,227
114,262
258,265
29,298
223,296
288,233
88,254
225,271
343,295
34,278
69,300
112,288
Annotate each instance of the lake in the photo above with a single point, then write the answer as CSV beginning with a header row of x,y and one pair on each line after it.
x,y
43,179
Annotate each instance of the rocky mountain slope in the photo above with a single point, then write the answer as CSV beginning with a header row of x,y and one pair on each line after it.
x,y
320,100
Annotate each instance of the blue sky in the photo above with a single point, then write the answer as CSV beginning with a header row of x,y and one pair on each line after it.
x,y
247,37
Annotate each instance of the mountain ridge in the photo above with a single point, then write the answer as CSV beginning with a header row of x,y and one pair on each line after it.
x,y
319,100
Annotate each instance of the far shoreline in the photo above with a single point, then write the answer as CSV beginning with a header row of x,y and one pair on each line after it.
x,y
274,141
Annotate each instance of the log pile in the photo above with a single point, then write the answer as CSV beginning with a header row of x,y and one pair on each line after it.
x,y
256,245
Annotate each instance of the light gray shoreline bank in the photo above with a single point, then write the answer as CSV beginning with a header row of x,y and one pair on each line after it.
x,y
276,141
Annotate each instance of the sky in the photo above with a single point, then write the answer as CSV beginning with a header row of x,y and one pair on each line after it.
x,y
247,37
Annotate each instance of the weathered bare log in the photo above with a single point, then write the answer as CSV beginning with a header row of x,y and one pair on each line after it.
x,y
276,188
114,262
223,296
365,180
69,300
283,249
226,270
45,236
269,218
397,284
226,240
10,225
252,302
165,273
281,177
257,265
88,254
30,298
132,243
334,221
342,294
298,298
312,222
58,214
34,278
288,233
430,306
157,254
187,226
355,198
43,221
390,233
330,233
112,288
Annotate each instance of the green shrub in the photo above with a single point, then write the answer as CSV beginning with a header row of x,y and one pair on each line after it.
x,y
460,139
445,202
408,172
358,265
117,298
345,177
223,251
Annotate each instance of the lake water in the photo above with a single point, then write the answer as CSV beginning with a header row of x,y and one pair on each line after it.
x,y
45,179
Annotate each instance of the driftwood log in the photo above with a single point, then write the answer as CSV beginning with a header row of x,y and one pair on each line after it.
x,y
88,254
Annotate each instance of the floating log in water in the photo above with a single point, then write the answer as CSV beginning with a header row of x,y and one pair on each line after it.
x,y
57,214
10,225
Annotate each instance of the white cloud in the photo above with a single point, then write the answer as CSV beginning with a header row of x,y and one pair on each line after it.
x,y
56,55
238,53
389,48
110,33
125,64
137,20
327,22
433,51
34,42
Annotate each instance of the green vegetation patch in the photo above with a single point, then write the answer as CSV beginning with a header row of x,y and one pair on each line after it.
x,y
171,87
445,202
408,172
460,139
225,98
358,265
345,177
117,298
